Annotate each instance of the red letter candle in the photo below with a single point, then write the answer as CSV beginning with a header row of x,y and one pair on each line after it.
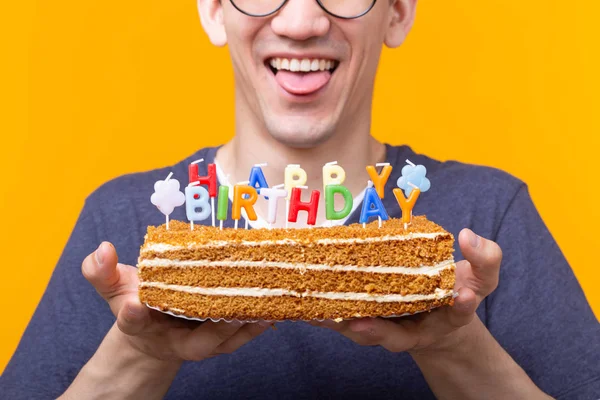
x,y
209,180
297,205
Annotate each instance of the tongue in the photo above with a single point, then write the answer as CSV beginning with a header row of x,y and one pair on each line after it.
x,y
302,82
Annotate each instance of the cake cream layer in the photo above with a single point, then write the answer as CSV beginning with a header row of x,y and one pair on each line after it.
x,y
422,270
266,292
282,307
300,280
423,243
413,253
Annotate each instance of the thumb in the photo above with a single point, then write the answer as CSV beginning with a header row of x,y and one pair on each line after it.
x,y
484,256
100,268
109,278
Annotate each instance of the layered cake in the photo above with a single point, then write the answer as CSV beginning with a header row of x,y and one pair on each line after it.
x,y
297,274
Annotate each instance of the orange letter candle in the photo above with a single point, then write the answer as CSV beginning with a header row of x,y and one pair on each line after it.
x,y
379,180
407,205
244,196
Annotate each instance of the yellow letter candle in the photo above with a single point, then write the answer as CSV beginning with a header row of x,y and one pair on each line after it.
x,y
333,174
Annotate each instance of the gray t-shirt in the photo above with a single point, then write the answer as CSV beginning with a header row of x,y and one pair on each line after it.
x,y
538,313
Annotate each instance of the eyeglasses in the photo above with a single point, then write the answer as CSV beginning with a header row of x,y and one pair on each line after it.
x,y
345,9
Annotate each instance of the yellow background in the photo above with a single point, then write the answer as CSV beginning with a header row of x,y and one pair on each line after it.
x,y
94,89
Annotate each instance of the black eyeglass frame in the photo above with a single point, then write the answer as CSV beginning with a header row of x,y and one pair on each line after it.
x,y
284,2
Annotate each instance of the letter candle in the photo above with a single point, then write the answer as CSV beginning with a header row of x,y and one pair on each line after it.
x,y
329,170
223,205
379,180
210,180
244,196
407,205
413,181
372,206
297,205
272,195
196,198
330,192
294,176
257,178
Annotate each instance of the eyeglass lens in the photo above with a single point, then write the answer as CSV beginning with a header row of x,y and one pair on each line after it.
x,y
338,8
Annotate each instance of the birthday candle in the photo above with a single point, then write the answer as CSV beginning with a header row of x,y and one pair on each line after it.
x,y
407,205
257,178
167,196
244,196
294,176
210,180
223,204
379,180
413,181
330,191
196,204
329,171
273,195
372,206
297,205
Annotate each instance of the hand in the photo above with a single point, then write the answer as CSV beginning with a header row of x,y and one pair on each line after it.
x,y
156,334
476,278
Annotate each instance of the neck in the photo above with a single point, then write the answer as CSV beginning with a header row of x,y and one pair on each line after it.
x,y
351,146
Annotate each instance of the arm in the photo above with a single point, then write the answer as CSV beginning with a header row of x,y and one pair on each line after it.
x,y
475,367
131,374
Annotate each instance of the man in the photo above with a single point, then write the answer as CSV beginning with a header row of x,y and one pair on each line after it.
x,y
533,332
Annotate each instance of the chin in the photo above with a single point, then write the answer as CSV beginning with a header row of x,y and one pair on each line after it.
x,y
300,133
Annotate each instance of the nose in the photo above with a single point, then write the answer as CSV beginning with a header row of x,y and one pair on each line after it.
x,y
301,20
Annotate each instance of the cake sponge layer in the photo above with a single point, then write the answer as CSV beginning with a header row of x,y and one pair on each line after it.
x,y
277,308
300,280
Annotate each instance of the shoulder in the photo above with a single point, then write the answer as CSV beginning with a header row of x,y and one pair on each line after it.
x,y
125,200
456,175
134,186
463,194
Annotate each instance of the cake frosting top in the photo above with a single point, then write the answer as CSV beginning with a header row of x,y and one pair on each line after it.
x,y
179,233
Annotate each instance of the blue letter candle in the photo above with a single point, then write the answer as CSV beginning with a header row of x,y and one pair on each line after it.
x,y
372,206
196,203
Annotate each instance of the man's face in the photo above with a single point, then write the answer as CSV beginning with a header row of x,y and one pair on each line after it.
x,y
303,74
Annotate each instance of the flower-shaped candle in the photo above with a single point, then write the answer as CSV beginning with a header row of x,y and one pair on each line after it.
x,y
167,196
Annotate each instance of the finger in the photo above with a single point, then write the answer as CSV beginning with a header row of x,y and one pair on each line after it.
x,y
197,344
110,278
384,332
402,334
242,336
330,324
372,332
100,268
445,320
133,317
484,256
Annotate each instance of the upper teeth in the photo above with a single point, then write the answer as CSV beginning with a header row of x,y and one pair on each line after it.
x,y
304,65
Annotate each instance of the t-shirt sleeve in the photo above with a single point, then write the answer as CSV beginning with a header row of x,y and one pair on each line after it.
x,y
539,313
67,326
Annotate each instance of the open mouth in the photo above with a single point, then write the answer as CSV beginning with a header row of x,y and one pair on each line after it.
x,y
302,76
